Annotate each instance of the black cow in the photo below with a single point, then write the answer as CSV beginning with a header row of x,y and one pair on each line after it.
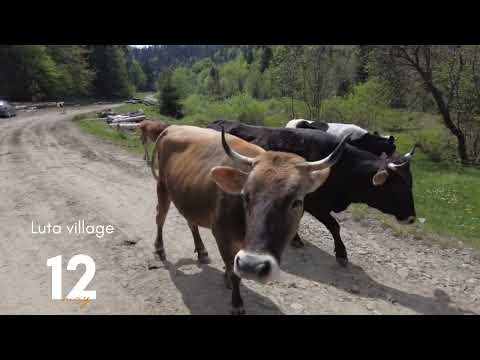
x,y
358,177
361,138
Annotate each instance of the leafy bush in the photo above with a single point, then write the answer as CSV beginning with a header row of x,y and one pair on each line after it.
x,y
251,117
241,107
183,80
366,106
437,145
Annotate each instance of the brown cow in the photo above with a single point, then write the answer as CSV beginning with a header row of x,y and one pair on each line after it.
x,y
149,133
253,202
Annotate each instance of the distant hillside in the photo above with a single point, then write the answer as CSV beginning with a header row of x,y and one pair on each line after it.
x,y
158,57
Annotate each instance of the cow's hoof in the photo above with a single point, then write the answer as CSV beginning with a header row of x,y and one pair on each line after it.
x,y
297,243
203,258
227,280
160,255
343,262
238,311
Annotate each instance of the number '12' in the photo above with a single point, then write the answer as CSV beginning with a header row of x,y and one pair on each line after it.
x,y
78,291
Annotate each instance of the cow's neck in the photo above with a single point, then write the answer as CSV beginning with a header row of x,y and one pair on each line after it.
x,y
352,176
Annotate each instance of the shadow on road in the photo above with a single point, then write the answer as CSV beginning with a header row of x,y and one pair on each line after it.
x,y
314,264
204,292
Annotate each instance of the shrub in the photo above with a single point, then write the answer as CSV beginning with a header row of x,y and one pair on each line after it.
x,y
251,117
437,145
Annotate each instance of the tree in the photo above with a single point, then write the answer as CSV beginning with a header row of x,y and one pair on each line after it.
x,y
137,76
361,72
318,76
184,80
111,79
169,99
286,68
214,87
150,76
266,58
248,54
451,75
233,75
75,75
28,73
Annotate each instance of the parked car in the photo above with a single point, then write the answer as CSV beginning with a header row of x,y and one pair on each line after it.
x,y
6,109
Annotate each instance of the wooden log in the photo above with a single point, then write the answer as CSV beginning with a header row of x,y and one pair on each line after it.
x,y
127,119
125,125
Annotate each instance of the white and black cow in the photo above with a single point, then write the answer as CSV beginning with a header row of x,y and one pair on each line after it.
x,y
361,138
384,183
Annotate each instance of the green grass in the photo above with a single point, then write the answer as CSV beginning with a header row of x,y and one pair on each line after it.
x,y
142,94
446,194
130,140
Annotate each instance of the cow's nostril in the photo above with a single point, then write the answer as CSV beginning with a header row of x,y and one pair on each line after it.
x,y
264,268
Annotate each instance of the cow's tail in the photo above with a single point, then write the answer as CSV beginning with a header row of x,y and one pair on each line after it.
x,y
154,153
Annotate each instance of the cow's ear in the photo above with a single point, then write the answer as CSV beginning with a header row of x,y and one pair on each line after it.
x,y
318,179
376,133
380,177
391,139
229,179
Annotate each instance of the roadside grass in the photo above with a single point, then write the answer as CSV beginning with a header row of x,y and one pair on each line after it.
x,y
98,128
446,194
142,94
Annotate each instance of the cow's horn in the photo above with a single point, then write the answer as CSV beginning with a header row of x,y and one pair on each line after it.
x,y
410,154
330,160
394,167
232,154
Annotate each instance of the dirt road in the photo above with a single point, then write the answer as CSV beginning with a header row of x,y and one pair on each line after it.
x,y
50,172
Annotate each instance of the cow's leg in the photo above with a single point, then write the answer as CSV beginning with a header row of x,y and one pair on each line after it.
x,y
199,246
332,225
162,210
237,302
297,241
145,156
145,149
231,280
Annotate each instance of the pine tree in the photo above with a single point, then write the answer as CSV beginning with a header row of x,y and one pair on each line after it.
x,y
214,86
150,76
109,62
136,75
266,58
169,99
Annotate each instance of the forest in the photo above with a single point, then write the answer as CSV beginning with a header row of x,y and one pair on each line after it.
x,y
369,85
372,86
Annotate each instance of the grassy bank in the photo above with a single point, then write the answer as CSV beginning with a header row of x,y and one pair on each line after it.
x,y
129,140
447,196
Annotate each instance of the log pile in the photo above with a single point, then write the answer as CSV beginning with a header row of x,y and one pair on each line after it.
x,y
135,117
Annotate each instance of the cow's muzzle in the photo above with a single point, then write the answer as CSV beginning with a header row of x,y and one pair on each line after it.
x,y
254,266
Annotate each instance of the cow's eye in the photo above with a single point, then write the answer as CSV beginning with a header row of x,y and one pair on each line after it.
x,y
247,198
297,203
